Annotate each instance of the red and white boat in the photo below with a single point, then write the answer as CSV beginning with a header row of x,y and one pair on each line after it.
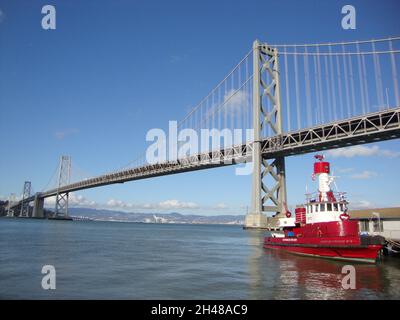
x,y
322,226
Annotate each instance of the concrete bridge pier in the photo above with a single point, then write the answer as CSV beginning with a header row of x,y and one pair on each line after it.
x,y
38,207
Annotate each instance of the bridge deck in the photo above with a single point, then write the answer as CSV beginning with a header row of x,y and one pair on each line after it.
x,y
373,127
378,126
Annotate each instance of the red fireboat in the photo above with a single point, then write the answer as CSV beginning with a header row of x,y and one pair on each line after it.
x,y
322,227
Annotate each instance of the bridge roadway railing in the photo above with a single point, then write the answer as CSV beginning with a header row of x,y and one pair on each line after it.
x,y
372,127
377,126
228,156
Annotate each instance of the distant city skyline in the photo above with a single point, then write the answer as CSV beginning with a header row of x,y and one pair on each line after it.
x,y
94,86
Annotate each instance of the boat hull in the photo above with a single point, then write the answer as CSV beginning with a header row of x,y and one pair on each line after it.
x,y
359,253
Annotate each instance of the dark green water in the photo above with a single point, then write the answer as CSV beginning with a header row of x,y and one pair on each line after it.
x,y
109,260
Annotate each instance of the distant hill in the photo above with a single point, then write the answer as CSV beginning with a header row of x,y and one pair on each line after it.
x,y
173,217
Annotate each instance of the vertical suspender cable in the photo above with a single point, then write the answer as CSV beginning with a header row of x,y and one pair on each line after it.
x,y
224,108
241,100
320,87
297,90
328,89
378,78
365,83
346,82
339,85
316,86
246,111
353,95
307,85
232,111
220,101
333,91
394,75
287,90
360,76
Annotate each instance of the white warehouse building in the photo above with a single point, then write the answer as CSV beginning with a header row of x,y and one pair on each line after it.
x,y
382,221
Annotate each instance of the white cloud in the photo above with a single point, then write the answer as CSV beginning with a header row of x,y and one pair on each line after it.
x,y
115,204
49,201
164,205
73,201
362,151
390,154
361,204
221,206
79,200
67,132
13,198
235,100
366,174
112,203
344,170
175,204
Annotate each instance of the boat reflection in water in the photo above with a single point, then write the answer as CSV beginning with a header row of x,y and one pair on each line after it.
x,y
310,278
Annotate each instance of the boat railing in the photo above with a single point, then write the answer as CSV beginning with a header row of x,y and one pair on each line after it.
x,y
314,197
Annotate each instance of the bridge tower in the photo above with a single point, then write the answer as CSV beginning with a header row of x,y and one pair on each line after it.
x,y
26,193
61,207
11,202
269,185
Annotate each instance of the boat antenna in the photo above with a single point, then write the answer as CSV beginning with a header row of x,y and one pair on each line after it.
x,y
334,181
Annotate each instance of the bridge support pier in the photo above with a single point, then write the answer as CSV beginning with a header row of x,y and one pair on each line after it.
x,y
269,185
38,207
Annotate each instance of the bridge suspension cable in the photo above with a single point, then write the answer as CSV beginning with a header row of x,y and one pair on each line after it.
x,y
320,83
227,106
331,81
343,43
52,181
219,85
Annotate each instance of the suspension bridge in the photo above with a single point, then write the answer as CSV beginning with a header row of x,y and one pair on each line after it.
x,y
292,99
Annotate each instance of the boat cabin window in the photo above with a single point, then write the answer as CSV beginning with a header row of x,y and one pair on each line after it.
x,y
329,205
316,208
335,207
322,206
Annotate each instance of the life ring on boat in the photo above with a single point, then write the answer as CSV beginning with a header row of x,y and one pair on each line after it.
x,y
288,214
344,217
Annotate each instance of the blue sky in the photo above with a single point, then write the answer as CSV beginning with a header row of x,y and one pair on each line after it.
x,y
112,70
